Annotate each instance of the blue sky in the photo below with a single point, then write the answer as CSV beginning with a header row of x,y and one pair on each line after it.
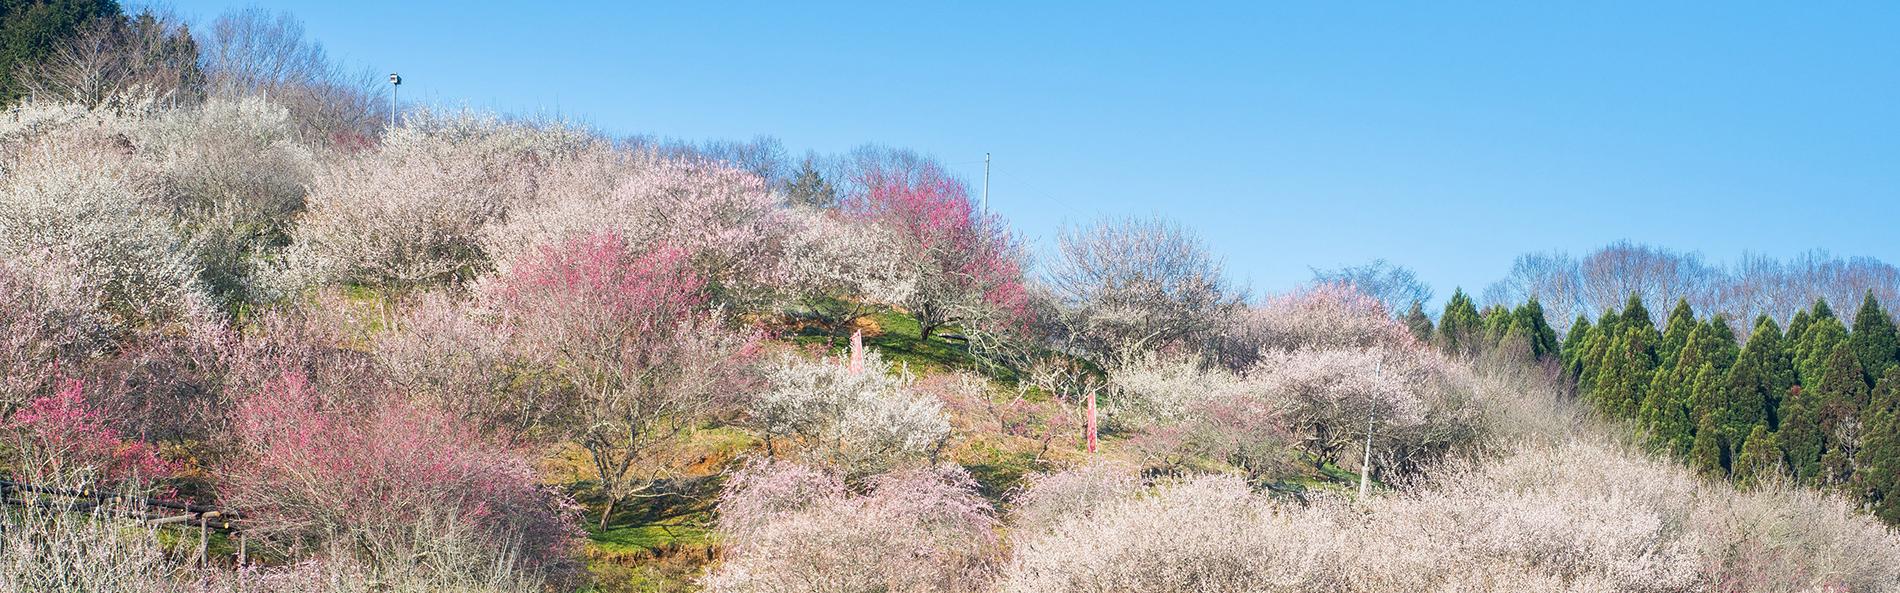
x,y
1448,137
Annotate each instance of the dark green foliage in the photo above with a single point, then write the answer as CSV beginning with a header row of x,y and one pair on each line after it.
x,y
1706,396
1759,459
1706,457
809,188
1746,391
1877,480
1767,351
1810,354
1528,320
1629,365
1634,313
1801,435
1420,324
1798,325
1873,337
1460,329
31,29
1676,332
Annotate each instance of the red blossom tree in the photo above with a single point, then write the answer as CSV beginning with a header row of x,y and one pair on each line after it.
x,y
641,361
968,261
61,437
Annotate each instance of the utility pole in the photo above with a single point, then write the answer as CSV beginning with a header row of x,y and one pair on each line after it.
x,y
395,82
986,183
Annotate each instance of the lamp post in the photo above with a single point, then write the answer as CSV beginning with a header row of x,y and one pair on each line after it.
x,y
395,82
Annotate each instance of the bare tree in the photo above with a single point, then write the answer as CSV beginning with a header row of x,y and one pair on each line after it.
x,y
1133,284
120,62
1397,287
257,51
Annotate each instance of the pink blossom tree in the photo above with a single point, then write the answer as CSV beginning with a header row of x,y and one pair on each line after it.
x,y
62,438
394,483
968,262
640,361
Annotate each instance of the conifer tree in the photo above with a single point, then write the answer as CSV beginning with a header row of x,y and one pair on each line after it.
x,y
1635,314
810,188
1877,477
1874,337
1706,397
1529,320
1838,402
1801,435
1746,391
1629,367
1798,325
1676,333
1497,323
1460,328
1810,356
1759,459
1768,352
1419,323
1706,456
1575,343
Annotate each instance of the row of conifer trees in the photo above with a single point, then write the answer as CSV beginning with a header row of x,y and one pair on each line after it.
x,y
1818,403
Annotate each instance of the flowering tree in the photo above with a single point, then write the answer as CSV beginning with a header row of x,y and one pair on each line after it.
x,y
790,528
723,218
967,262
640,363
854,423
62,438
835,269
416,211
1327,315
400,486
1131,285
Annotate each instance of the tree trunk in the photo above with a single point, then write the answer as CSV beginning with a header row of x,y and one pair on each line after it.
x,y
604,513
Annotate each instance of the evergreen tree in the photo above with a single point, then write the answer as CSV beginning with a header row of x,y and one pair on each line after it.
x,y
1460,329
1801,435
1810,356
1759,459
1676,333
1419,323
1635,314
1709,450
1746,392
1874,338
1798,325
1497,323
1590,362
1837,403
1706,396
1877,479
810,188
1529,320
1767,351
1629,367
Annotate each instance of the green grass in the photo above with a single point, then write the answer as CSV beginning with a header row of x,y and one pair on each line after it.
x,y
649,537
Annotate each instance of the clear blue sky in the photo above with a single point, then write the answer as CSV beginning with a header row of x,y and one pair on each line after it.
x,y
1448,137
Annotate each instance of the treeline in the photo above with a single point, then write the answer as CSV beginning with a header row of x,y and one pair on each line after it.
x,y
1814,404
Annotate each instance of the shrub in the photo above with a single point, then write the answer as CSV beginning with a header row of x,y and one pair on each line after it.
x,y
835,270
795,529
457,358
233,173
77,207
1320,316
60,438
50,320
401,487
856,424
415,212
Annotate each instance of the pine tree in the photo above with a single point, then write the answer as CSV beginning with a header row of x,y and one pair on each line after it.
x,y
1676,333
31,30
1706,456
1759,459
1706,396
1635,314
1497,323
1874,337
1629,367
1460,329
1798,325
1590,362
1419,323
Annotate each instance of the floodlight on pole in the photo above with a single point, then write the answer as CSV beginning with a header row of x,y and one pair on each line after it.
x,y
395,82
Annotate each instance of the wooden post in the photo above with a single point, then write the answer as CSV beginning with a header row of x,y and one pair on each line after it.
x,y
204,541
1091,421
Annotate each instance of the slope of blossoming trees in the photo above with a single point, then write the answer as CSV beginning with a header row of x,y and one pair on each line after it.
x,y
474,353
